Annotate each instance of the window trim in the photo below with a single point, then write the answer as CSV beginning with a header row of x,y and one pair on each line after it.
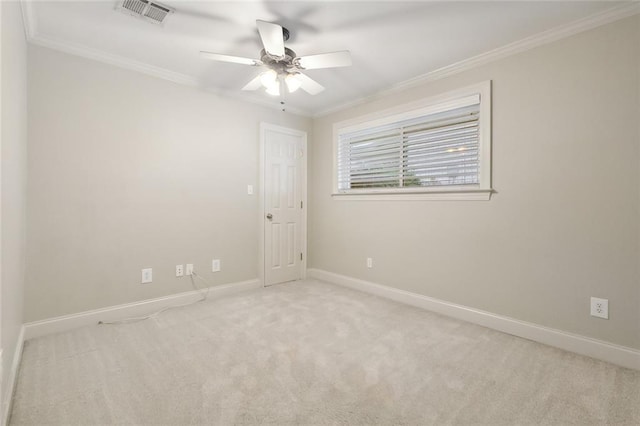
x,y
430,105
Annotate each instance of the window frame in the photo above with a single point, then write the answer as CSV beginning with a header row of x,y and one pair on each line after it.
x,y
431,105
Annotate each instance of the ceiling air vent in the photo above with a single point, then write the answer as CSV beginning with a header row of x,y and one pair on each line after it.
x,y
152,12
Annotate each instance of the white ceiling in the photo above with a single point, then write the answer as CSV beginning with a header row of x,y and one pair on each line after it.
x,y
390,42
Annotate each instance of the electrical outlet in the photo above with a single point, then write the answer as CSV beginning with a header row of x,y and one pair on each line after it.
x,y
189,269
369,262
600,308
147,275
179,270
215,265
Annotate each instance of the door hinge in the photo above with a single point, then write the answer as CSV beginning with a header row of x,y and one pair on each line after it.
x,y
300,256
300,204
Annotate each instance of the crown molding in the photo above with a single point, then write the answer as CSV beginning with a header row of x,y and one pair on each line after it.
x,y
540,39
28,19
118,61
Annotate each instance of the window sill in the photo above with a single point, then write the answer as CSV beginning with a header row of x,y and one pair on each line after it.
x,y
459,195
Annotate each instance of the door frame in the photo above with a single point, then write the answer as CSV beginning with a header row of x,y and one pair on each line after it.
x,y
264,127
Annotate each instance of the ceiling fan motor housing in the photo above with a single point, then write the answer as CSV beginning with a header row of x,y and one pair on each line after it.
x,y
285,65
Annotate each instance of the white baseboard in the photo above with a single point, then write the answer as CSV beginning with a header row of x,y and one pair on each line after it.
x,y
13,378
610,352
129,310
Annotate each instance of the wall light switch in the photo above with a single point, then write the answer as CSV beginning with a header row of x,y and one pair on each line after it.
x,y
369,262
215,265
147,275
250,189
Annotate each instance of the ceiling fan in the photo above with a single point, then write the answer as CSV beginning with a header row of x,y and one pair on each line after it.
x,y
283,66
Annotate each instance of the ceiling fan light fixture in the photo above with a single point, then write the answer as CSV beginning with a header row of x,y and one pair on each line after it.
x,y
274,89
293,82
282,66
269,79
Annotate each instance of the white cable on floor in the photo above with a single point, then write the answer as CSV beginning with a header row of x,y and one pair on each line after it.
x,y
203,292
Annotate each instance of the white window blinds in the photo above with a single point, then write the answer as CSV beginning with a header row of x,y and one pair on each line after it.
x,y
428,148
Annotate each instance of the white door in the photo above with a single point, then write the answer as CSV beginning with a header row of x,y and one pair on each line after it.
x,y
284,226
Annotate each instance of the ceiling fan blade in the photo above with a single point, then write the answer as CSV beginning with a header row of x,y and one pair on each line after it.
x,y
272,38
228,58
308,85
325,60
254,84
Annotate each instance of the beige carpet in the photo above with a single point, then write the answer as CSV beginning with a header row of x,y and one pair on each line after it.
x,y
311,353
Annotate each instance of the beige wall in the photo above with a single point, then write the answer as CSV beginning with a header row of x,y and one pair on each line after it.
x,y
563,225
13,183
128,171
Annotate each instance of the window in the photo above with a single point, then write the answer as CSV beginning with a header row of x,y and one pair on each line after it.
x,y
441,147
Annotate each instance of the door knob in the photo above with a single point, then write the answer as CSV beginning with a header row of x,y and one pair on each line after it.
x,y
269,216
